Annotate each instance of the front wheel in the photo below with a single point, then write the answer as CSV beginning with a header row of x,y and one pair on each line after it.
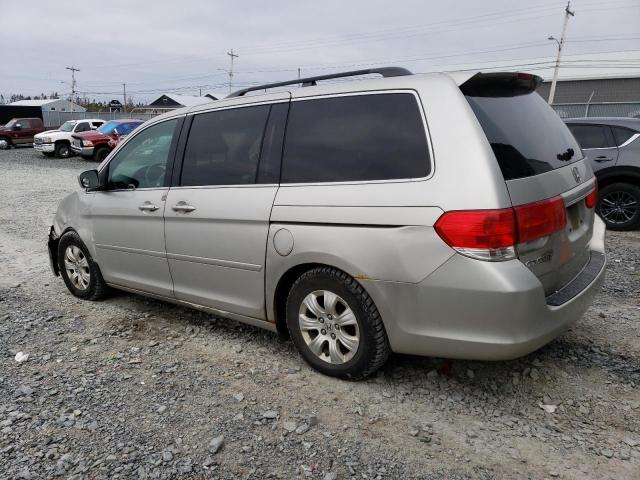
x,y
5,143
78,270
335,325
63,150
100,154
619,206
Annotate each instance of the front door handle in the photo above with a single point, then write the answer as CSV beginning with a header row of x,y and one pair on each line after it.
x,y
183,207
148,207
603,158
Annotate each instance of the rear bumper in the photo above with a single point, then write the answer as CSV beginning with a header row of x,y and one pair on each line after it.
x,y
471,309
44,147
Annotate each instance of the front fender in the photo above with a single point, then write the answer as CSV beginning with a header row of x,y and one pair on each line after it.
x,y
74,214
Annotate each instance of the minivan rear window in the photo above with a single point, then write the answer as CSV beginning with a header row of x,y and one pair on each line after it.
x,y
527,137
355,138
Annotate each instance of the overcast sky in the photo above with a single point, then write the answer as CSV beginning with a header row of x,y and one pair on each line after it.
x,y
168,46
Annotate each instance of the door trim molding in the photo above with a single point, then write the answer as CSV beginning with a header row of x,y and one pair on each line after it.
x,y
214,261
138,251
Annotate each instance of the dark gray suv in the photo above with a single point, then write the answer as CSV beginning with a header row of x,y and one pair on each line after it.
x,y
613,147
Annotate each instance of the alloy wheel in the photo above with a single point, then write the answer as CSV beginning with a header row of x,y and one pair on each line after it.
x,y
77,267
618,207
329,327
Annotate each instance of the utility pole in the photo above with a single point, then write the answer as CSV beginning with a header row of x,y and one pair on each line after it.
x,y
73,84
124,94
232,56
567,13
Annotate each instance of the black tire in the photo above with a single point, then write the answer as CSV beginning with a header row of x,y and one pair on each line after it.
x,y
100,154
63,150
612,199
373,347
96,289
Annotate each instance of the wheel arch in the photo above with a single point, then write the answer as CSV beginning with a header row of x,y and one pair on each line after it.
x,y
626,174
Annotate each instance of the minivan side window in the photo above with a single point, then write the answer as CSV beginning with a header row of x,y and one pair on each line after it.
x,y
355,138
142,161
224,147
590,136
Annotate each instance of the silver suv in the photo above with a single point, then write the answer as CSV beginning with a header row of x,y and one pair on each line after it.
x,y
450,216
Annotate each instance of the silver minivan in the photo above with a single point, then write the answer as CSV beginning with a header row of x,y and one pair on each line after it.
x,y
441,215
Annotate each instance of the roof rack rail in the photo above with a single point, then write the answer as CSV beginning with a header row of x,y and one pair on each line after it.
x,y
310,81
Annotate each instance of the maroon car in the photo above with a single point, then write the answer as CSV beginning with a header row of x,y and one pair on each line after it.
x,y
96,144
20,131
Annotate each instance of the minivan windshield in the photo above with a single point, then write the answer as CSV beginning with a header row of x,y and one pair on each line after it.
x,y
527,137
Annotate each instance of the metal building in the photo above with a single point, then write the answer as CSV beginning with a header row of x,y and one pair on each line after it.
x,y
596,97
51,105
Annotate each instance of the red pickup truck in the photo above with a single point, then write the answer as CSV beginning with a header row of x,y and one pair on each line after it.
x,y
96,144
20,131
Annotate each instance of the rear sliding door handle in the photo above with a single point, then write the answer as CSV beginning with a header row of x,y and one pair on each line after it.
x,y
148,207
603,158
183,207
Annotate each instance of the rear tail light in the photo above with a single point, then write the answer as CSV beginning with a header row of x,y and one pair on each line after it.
x,y
539,219
493,234
592,198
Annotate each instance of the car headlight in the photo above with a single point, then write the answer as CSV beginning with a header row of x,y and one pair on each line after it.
x,y
46,139
87,143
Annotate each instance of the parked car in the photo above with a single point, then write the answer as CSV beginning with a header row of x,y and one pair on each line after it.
x,y
94,145
20,131
361,231
612,146
58,142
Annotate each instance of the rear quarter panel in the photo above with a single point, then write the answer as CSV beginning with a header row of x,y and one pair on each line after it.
x,y
384,230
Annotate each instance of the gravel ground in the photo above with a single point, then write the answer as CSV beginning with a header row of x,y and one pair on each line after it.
x,y
136,388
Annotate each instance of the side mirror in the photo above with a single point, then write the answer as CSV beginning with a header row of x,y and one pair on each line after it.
x,y
115,132
89,179
93,127
17,126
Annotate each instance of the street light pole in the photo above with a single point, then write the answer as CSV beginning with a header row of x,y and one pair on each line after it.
x,y
567,13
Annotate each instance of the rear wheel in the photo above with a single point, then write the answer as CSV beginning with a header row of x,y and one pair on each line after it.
x,y
78,270
63,150
335,325
100,154
619,206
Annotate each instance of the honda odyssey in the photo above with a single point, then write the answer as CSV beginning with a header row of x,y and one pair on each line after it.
x,y
440,215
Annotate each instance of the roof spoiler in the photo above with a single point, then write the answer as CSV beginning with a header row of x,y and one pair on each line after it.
x,y
500,84
311,81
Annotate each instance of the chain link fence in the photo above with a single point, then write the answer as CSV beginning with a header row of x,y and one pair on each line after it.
x,y
610,109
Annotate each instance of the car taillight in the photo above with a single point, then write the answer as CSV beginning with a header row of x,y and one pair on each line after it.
x,y
539,219
493,234
592,198
483,234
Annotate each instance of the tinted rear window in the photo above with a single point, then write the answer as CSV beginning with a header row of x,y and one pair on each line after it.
x,y
355,138
527,137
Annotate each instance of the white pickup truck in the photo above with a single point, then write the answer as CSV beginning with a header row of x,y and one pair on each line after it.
x,y
58,142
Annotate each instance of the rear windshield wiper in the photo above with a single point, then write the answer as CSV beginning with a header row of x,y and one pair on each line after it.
x,y
566,156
